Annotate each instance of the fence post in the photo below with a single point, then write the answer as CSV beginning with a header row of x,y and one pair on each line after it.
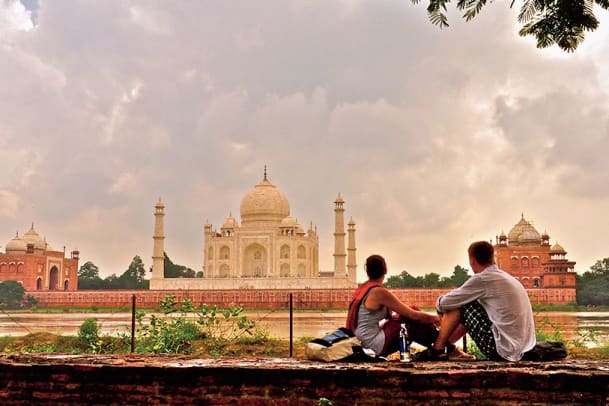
x,y
291,324
133,324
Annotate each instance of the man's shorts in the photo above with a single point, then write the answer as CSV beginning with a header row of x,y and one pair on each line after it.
x,y
478,326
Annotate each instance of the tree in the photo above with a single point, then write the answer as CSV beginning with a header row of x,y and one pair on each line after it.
x,y
11,294
560,22
132,278
430,280
593,285
459,276
88,277
88,270
176,271
403,280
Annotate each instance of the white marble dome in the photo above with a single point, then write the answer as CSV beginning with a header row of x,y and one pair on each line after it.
x,y
17,244
32,237
264,203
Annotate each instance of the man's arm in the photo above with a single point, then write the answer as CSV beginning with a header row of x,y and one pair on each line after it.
x,y
471,290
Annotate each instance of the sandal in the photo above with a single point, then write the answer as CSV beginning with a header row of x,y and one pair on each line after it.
x,y
430,354
459,355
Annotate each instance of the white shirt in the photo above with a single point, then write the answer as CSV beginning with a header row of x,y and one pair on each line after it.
x,y
508,307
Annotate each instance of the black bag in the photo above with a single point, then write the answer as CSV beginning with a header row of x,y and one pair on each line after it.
x,y
546,351
340,345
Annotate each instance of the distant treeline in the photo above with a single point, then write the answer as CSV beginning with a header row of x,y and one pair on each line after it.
x,y
430,280
133,278
592,286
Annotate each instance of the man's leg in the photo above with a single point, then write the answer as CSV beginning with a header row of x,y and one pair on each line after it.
x,y
451,320
478,326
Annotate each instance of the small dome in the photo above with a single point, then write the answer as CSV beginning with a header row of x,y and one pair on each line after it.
x,y
524,232
557,249
17,244
288,221
32,237
264,203
230,222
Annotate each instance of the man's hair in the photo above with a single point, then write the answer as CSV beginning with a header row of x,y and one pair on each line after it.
x,y
483,252
375,266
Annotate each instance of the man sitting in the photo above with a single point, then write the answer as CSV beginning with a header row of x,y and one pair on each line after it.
x,y
492,305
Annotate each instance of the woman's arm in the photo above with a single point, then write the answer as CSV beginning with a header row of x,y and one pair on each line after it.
x,y
382,297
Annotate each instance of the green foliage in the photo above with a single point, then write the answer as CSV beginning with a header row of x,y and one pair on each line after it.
x,y
183,322
585,337
31,301
88,270
177,271
473,349
560,22
324,402
545,330
430,280
11,294
89,335
592,286
133,277
88,277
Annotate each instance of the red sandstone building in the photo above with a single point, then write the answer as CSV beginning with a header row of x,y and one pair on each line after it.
x,y
30,261
527,255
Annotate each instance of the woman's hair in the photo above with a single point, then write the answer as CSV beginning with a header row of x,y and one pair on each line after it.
x,y
483,252
375,266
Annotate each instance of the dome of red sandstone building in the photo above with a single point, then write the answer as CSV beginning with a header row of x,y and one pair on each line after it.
x,y
524,232
17,244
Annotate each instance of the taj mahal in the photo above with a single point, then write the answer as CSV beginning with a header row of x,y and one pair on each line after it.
x,y
268,249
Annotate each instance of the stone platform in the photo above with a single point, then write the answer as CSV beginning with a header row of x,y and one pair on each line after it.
x,y
161,380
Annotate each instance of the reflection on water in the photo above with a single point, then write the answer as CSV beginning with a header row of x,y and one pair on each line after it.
x,y
573,325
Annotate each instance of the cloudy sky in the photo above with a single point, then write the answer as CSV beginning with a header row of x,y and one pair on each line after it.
x,y
433,137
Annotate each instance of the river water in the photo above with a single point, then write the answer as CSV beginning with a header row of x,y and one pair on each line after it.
x,y
573,325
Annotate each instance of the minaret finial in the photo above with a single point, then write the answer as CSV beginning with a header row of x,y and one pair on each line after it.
x,y
265,173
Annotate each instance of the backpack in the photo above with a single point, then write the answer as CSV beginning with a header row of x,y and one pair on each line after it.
x,y
340,345
546,351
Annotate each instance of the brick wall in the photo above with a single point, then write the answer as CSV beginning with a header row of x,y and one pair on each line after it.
x,y
273,299
136,379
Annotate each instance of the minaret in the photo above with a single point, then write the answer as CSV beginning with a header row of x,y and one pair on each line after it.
x,y
339,238
158,250
351,265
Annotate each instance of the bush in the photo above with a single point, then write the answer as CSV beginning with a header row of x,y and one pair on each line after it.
x,y
183,323
11,294
88,334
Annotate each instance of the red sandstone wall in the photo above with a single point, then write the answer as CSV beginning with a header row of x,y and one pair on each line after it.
x,y
273,299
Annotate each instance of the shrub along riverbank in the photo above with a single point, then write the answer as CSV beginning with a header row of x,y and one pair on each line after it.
x,y
210,332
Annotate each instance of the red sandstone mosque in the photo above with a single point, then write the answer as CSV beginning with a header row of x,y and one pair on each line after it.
x,y
528,256
31,261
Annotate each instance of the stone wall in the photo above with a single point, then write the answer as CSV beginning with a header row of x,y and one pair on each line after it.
x,y
270,298
136,379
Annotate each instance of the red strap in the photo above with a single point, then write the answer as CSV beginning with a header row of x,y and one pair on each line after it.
x,y
356,301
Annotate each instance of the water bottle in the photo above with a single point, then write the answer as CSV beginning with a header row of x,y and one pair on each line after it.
x,y
404,344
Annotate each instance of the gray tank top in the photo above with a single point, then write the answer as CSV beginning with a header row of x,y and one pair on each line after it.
x,y
368,330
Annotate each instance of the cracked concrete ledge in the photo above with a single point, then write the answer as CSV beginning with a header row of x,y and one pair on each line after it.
x,y
167,379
